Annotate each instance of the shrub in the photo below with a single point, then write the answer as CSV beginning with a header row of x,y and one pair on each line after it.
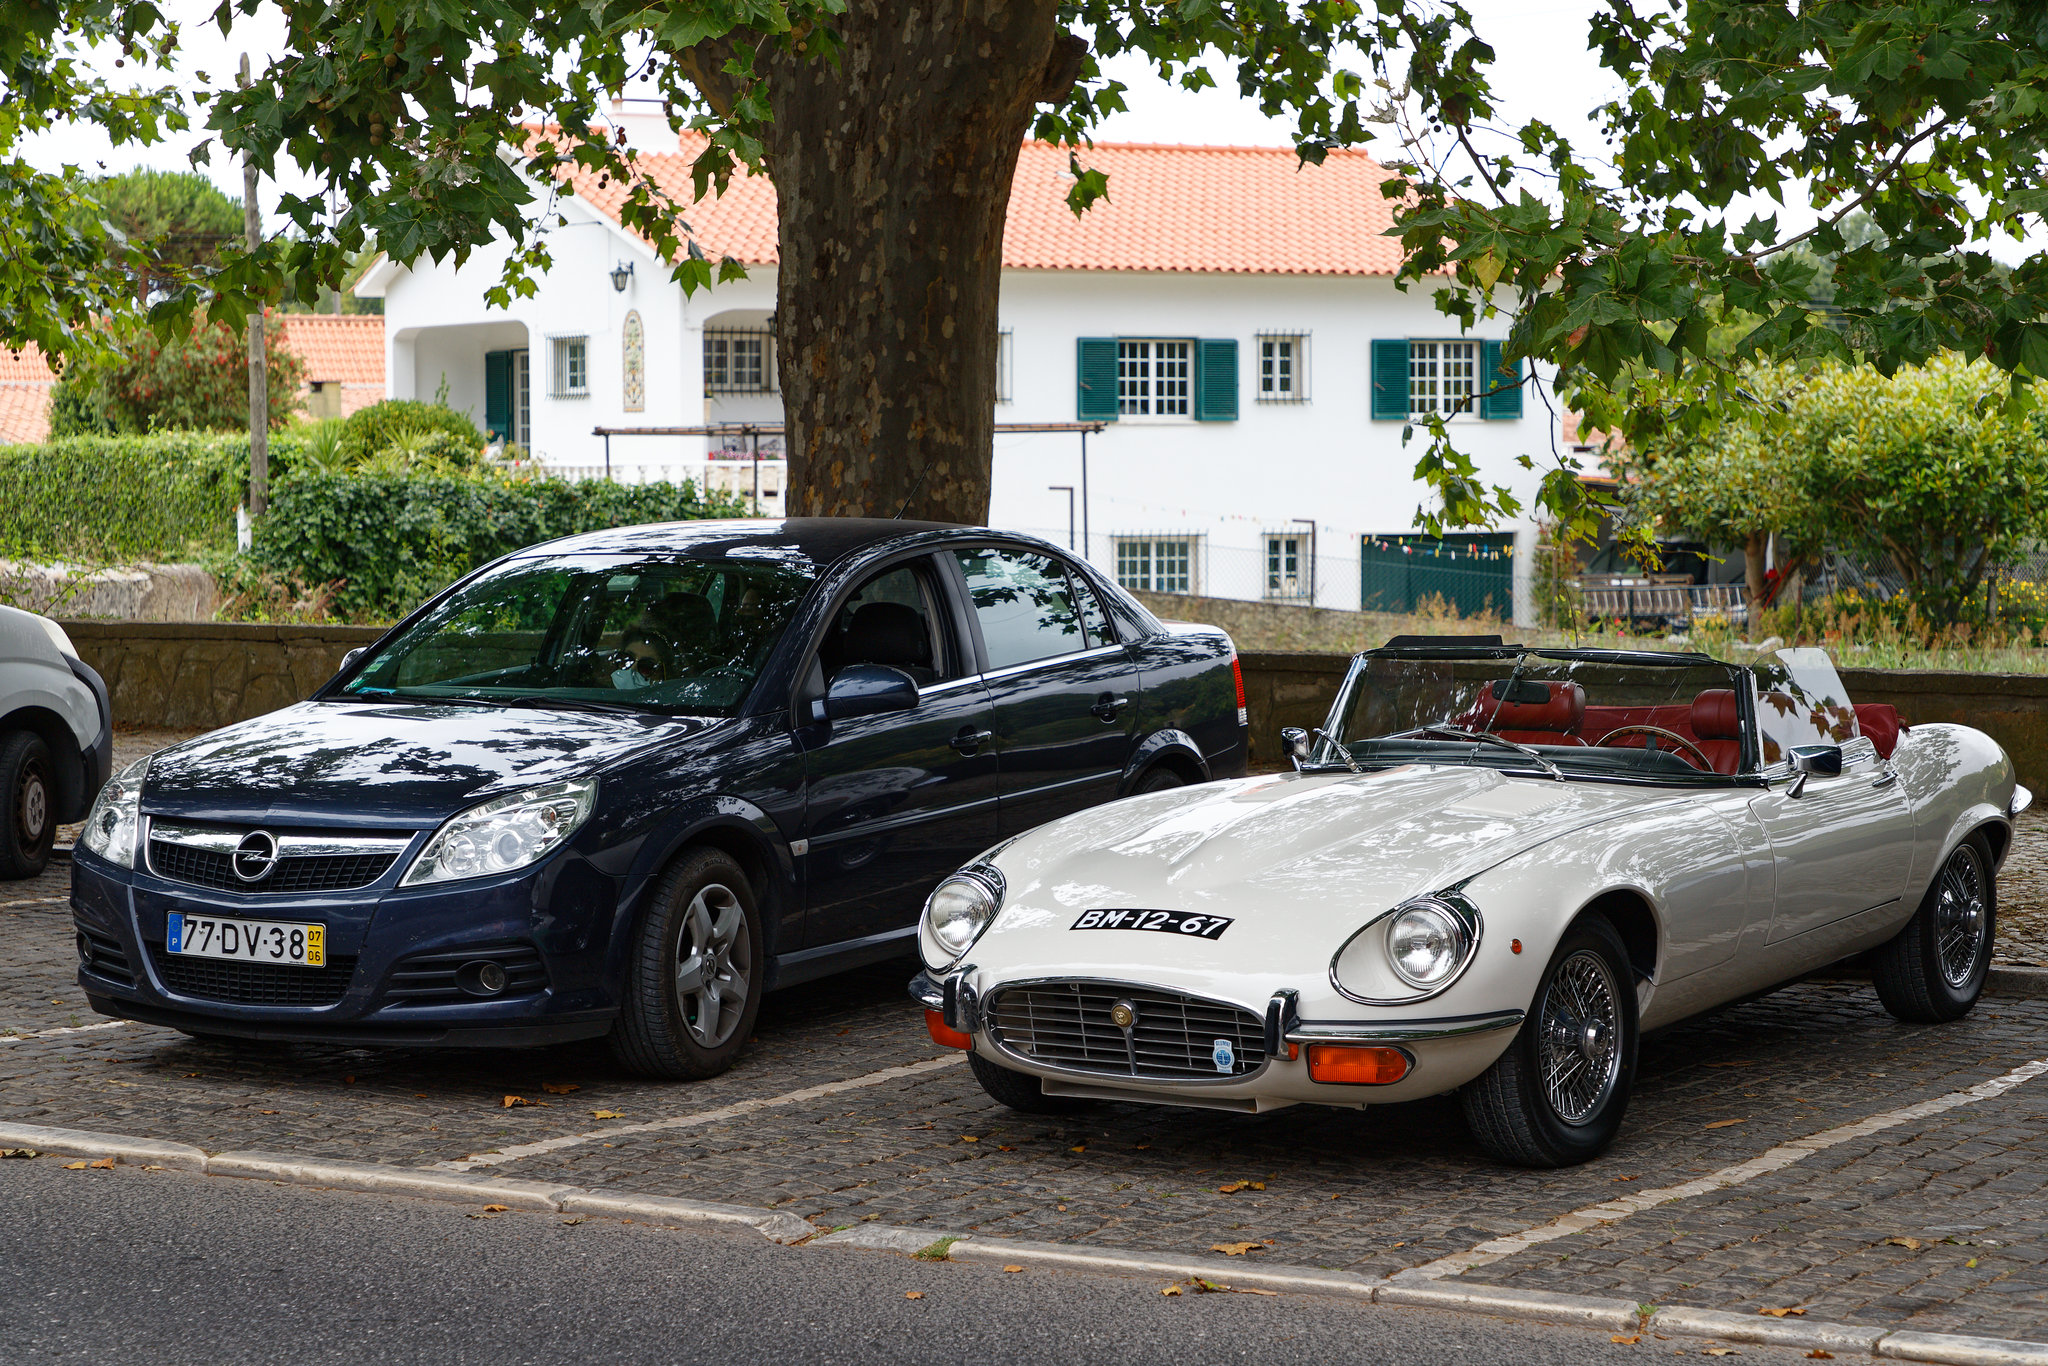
x,y
393,540
112,498
197,382
370,431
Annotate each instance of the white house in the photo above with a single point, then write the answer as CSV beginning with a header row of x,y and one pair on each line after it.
x,y
1228,314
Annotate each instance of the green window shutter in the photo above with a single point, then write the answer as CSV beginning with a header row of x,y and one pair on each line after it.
x,y
1508,402
1390,380
1216,380
498,394
1095,379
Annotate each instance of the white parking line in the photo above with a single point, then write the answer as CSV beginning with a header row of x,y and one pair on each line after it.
x,y
1579,1220
35,901
702,1117
73,1029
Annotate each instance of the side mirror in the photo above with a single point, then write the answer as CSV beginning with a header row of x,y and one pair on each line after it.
x,y
1807,760
348,660
868,690
1294,743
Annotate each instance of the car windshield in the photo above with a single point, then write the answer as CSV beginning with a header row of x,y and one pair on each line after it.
x,y
661,635
1558,712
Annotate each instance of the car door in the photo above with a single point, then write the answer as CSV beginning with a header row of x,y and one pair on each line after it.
x,y
897,801
1841,843
1064,690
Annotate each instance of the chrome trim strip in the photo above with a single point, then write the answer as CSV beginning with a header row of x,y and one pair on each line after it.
x,y
1049,660
288,846
1039,1067
1450,899
2022,798
1396,1033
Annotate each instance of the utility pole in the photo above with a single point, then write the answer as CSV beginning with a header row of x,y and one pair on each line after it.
x,y
259,361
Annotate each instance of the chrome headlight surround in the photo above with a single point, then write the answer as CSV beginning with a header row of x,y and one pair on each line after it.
x,y
1449,916
504,834
113,826
957,913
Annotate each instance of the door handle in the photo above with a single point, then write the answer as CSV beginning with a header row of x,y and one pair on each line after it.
x,y
969,739
1108,705
1886,778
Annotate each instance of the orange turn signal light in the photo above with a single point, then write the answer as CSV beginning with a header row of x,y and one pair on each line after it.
x,y
944,1034
1355,1064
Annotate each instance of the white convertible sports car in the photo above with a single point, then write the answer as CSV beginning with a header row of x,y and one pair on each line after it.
x,y
1490,872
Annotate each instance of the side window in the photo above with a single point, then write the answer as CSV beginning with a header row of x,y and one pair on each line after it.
x,y
889,620
1023,603
1093,619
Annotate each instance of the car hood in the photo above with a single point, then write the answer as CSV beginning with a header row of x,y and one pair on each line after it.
x,y
386,764
1299,862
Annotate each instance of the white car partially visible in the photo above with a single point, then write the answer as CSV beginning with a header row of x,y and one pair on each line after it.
x,y
56,739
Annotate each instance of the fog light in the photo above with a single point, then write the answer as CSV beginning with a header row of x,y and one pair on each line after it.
x,y
1356,1064
84,947
481,978
944,1034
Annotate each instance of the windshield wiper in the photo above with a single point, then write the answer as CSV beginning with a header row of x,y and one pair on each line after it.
x,y
580,704
1343,751
1461,733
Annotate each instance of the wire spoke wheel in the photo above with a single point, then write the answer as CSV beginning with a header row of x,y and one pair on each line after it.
x,y
714,965
1580,1024
1961,916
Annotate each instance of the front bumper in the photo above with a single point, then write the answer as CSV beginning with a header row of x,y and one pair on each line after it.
x,y
1443,1053
555,918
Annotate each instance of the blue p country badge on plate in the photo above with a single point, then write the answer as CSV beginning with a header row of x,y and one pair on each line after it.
x,y
176,934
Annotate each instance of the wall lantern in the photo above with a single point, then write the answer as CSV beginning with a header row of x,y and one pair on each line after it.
x,y
622,275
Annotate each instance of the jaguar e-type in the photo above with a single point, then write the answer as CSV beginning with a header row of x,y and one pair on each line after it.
x,y
1491,870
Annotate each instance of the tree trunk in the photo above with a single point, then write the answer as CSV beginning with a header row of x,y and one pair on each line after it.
x,y
1753,566
892,168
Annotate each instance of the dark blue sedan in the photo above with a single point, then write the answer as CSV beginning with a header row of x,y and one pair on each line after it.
x,y
625,783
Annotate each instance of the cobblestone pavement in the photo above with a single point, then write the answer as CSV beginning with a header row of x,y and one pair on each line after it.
x,y
2023,891
1372,1191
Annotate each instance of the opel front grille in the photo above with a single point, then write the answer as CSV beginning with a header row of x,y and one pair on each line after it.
x,y
303,861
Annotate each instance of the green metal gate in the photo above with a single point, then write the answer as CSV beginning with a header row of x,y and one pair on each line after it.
x,y
1472,571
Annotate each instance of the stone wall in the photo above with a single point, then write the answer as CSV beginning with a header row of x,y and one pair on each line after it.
x,y
138,592
201,675
1282,626
1287,689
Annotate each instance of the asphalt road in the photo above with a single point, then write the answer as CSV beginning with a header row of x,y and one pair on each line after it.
x,y
136,1267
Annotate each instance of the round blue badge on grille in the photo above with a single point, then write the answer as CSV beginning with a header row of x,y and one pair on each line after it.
x,y
1225,1056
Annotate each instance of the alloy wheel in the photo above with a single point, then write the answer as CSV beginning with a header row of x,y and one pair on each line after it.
x,y
1960,916
714,965
1581,1037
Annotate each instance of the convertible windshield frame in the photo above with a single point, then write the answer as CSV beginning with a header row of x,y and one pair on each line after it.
x,y
637,633
1464,689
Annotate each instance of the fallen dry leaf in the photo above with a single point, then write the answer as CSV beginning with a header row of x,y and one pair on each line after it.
x,y
1248,1290
1821,1354
1631,1340
1013,1268
1236,1249
1169,1290
1781,1313
1910,1244
510,1101
76,1166
496,1209
1078,1148
1140,1147
1971,1262
19,1152
347,1081
266,1112
1627,1178
1723,1123
104,1164
560,1088
969,1138
1004,1148
571,1223
1722,1352
913,1294
607,1114
1233,1188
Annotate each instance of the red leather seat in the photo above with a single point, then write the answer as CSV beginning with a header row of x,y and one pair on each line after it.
x,y
1882,723
1554,721
1716,727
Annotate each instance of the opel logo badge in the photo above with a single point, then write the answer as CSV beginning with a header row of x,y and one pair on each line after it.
x,y
1123,1014
255,856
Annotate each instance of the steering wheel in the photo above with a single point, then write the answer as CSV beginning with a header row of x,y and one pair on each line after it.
x,y
1697,755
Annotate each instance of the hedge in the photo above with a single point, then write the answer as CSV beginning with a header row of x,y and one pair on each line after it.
x,y
106,498
394,540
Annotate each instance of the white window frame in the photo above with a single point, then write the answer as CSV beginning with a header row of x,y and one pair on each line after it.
x,y
1141,565
522,399
569,366
1281,359
767,382
1280,545
1142,391
1006,351
1441,373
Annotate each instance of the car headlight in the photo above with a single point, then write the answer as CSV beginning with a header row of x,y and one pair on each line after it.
x,y
1426,943
110,826
956,913
1409,953
503,834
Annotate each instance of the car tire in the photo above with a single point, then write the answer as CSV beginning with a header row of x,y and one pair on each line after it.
x,y
1934,970
1528,1108
28,805
1020,1091
693,978
1158,778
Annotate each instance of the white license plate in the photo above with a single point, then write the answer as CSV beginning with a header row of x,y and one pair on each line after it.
x,y
249,941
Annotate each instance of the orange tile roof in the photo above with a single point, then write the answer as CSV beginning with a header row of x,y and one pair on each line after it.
x,y
348,348
24,411
1221,210
28,365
